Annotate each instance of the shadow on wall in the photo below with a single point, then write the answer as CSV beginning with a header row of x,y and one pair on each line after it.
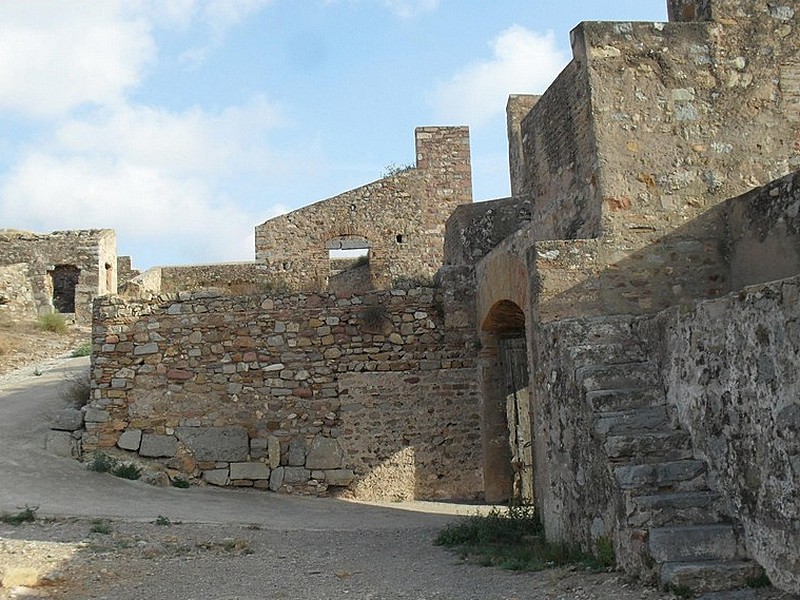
x,y
725,354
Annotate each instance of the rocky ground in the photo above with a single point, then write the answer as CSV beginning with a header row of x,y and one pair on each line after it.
x,y
123,559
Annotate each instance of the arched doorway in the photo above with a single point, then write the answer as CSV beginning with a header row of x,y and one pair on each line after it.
x,y
507,432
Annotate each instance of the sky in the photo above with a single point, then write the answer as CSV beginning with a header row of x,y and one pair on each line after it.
x,y
182,124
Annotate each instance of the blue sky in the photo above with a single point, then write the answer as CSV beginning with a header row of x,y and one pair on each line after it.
x,y
184,123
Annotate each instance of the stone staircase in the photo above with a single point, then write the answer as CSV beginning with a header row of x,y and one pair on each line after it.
x,y
668,504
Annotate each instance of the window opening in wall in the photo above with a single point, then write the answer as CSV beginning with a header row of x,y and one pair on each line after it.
x,y
399,238
109,278
65,281
349,259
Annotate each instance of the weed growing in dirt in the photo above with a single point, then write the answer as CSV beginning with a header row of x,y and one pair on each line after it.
x,y
101,463
760,581
179,482
52,322
100,526
82,350
514,539
27,514
126,471
162,520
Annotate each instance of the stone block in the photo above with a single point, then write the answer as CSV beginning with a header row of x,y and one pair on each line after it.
x,y
130,439
94,415
700,542
61,443
258,448
325,453
276,479
228,444
341,477
68,419
296,475
156,446
249,470
296,456
216,476
274,451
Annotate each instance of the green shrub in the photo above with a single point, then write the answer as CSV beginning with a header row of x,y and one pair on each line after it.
x,y
101,463
759,581
514,539
25,515
126,471
82,350
52,322
179,482
100,526
162,520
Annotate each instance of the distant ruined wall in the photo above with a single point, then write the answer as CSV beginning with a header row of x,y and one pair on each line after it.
x,y
91,252
16,295
400,218
731,367
293,393
233,278
125,270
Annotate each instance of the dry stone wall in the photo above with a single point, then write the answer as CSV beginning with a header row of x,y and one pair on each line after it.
x,y
91,254
731,368
399,218
16,295
292,393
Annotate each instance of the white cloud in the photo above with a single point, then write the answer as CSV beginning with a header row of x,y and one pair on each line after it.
x,y
401,8
523,62
410,8
56,56
181,214
152,175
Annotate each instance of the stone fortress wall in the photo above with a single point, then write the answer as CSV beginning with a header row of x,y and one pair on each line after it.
x,y
400,218
613,343
17,302
66,269
293,393
622,174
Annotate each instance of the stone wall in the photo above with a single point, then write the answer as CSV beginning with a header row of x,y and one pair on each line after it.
x,y
649,129
292,393
233,278
764,233
16,295
731,367
125,270
91,252
399,218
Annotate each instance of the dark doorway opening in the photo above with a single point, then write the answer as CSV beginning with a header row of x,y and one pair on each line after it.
x,y
65,280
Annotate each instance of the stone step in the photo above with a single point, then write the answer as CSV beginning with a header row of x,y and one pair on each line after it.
x,y
691,543
649,446
647,418
629,351
676,475
708,576
625,398
625,375
674,508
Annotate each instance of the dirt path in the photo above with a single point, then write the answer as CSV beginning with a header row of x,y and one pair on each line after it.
x,y
97,536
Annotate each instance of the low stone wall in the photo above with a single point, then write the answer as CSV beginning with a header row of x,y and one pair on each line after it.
x,y
764,233
16,295
731,367
292,393
233,278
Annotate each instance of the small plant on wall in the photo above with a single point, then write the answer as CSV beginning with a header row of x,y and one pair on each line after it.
x,y
374,319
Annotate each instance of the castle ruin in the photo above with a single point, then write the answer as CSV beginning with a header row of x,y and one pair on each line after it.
x,y
617,342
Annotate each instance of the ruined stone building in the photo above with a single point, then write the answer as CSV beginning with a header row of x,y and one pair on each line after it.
x,y
618,342
58,272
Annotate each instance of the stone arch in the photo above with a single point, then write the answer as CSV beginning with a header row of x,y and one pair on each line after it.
x,y
507,439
